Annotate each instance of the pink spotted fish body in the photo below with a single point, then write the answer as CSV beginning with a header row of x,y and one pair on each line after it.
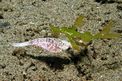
x,y
54,45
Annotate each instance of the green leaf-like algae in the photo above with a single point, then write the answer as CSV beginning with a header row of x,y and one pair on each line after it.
x,y
72,34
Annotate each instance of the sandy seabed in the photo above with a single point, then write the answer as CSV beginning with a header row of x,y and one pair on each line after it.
x,y
23,20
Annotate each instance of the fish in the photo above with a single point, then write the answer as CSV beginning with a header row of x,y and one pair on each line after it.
x,y
54,45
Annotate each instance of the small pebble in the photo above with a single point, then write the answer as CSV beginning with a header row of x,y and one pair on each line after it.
x,y
4,25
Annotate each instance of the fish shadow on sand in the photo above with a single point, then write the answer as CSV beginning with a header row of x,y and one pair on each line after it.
x,y
57,63
53,62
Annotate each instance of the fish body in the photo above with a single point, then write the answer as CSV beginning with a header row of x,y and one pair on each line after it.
x,y
54,45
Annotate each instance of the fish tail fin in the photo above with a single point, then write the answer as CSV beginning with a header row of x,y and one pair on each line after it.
x,y
23,44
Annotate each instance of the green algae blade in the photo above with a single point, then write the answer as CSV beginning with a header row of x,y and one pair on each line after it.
x,y
86,36
107,27
79,22
107,36
105,33
55,31
73,43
